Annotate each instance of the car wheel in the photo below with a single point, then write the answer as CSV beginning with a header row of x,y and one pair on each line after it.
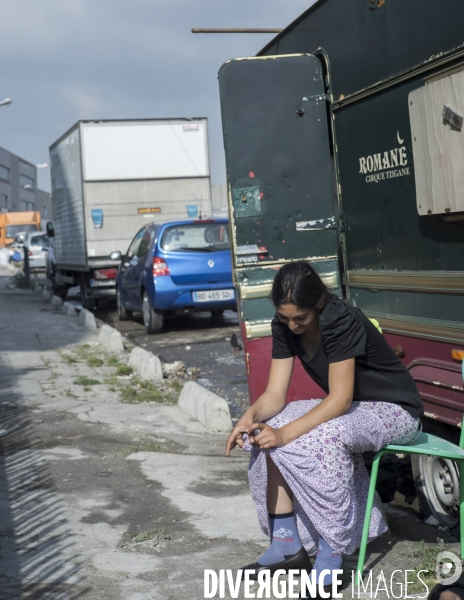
x,y
437,486
123,313
217,313
152,319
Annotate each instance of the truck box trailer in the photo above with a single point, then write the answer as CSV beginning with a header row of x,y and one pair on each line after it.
x,y
108,178
345,147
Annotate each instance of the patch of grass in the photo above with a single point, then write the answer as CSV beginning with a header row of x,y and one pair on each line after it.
x,y
426,559
174,385
94,361
143,391
112,361
86,381
112,389
142,446
157,536
124,370
70,394
69,359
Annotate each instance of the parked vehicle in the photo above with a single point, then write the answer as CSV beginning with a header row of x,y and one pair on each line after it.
x,y
354,164
12,223
108,178
36,245
175,267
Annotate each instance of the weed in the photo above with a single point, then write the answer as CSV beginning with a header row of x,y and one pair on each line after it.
x,y
124,370
142,446
157,536
86,388
143,391
70,360
70,394
174,385
94,361
112,389
86,381
112,361
426,558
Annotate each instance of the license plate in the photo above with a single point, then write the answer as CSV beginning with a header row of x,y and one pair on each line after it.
x,y
103,283
213,295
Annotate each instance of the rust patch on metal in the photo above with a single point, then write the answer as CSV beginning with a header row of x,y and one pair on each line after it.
x,y
430,415
400,351
374,4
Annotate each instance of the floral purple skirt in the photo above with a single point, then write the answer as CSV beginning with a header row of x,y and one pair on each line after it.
x,y
325,471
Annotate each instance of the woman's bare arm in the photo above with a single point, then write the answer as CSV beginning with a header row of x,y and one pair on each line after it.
x,y
337,403
271,402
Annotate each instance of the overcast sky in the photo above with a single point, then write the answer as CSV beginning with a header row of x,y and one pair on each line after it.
x,y
65,60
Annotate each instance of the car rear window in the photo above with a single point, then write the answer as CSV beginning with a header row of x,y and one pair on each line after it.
x,y
200,237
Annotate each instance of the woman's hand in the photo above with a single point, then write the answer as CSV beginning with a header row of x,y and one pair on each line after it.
x,y
235,437
268,404
268,437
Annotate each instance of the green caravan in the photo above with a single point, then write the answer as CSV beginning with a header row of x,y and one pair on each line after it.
x,y
344,146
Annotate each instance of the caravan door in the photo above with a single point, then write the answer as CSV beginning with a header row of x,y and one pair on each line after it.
x,y
281,188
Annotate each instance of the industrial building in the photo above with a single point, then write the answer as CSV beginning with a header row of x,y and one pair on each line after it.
x,y
18,186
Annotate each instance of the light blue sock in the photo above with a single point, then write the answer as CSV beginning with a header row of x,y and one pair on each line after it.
x,y
285,539
326,558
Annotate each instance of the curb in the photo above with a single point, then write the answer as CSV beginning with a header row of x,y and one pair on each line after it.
x,y
204,406
111,339
46,296
147,365
86,319
56,302
69,309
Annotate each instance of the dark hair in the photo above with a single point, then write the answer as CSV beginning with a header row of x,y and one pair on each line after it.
x,y
298,283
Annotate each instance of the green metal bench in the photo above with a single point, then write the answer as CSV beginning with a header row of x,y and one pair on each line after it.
x,y
425,443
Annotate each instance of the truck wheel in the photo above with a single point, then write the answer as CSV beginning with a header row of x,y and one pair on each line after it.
x,y
437,486
123,313
152,319
88,303
60,290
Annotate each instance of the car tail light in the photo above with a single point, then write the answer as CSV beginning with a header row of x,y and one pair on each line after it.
x,y
105,273
29,253
160,267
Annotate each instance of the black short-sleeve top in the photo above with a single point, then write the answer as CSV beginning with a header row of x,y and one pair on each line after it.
x,y
345,332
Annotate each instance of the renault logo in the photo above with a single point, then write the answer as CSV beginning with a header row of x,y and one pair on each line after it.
x,y
211,263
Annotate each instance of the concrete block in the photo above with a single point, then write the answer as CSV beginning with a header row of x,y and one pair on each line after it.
x,y
204,406
111,339
47,295
146,364
56,302
86,319
69,309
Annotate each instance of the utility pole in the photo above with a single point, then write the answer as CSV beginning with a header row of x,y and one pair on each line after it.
x,y
235,30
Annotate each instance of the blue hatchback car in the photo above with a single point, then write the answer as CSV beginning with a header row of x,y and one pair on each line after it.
x,y
180,266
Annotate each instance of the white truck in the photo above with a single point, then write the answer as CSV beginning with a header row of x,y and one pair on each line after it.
x,y
108,178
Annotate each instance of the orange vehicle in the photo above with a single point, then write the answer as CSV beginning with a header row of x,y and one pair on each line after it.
x,y
12,223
